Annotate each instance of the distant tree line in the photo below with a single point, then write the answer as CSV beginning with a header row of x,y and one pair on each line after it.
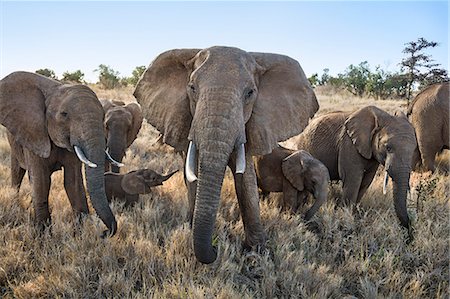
x,y
107,76
417,70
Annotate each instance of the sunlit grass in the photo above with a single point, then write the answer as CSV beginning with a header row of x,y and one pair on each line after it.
x,y
362,254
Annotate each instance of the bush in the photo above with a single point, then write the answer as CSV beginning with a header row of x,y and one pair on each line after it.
x,y
108,77
77,76
47,73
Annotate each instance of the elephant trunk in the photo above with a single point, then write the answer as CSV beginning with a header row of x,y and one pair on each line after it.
x,y
400,183
116,148
210,177
96,185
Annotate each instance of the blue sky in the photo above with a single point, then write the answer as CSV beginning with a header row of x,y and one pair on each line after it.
x,y
67,36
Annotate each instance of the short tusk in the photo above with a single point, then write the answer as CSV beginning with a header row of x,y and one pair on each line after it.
x,y
118,164
190,163
385,182
240,159
83,158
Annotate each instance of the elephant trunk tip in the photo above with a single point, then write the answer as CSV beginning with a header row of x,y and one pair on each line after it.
x,y
205,255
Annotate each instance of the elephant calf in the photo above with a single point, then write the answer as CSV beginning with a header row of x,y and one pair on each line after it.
x,y
122,124
296,174
128,186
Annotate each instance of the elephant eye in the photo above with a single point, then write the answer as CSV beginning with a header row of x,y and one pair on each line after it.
x,y
192,88
388,148
63,114
249,93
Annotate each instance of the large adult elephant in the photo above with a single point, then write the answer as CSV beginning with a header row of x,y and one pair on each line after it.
x,y
49,125
122,124
429,116
223,105
353,145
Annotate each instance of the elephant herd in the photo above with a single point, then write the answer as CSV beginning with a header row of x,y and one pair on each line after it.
x,y
219,107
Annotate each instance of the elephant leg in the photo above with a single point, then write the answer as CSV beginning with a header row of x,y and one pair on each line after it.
x,y
40,177
290,195
17,173
351,171
428,152
73,184
247,194
369,174
318,202
131,200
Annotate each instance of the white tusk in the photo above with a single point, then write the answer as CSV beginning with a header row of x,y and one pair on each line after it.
x,y
385,182
240,159
118,164
83,158
190,163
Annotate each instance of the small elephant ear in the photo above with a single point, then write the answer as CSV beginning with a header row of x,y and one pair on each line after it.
x,y
361,125
161,91
285,103
136,123
133,183
293,170
106,104
23,110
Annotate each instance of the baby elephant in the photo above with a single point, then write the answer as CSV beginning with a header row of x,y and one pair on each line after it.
x,y
128,186
296,174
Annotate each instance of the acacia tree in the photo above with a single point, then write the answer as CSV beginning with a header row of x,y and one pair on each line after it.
x,y
419,67
108,77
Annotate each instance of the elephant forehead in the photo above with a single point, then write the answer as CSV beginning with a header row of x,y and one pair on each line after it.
x,y
119,113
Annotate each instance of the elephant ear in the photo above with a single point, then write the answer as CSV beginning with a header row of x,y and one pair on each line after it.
x,y
360,126
284,105
106,104
133,183
136,112
23,110
161,91
293,170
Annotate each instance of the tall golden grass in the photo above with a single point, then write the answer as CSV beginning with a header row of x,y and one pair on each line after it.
x,y
341,254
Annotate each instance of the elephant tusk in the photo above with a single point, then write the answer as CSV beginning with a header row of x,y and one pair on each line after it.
x,y
385,182
240,159
118,164
190,163
83,158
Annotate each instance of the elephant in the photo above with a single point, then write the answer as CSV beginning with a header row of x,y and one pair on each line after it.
x,y
429,116
122,124
296,174
52,126
127,187
220,106
352,145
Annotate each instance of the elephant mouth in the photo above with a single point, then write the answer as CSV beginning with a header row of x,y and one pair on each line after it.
x,y
82,157
191,161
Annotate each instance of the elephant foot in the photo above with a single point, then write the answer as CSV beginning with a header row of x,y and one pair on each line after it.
x,y
44,227
256,242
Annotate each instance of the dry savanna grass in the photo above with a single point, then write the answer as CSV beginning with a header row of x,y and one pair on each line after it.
x,y
339,255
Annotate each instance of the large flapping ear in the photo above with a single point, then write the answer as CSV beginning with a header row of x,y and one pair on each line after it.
x,y
136,123
361,125
284,105
23,110
134,183
161,91
293,170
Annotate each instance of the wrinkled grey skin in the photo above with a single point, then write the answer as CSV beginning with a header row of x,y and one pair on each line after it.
x,y
122,124
295,173
353,145
429,115
220,98
45,120
127,187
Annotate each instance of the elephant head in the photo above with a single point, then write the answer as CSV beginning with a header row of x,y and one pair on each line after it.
x,y
122,124
140,181
42,113
390,139
218,99
305,172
